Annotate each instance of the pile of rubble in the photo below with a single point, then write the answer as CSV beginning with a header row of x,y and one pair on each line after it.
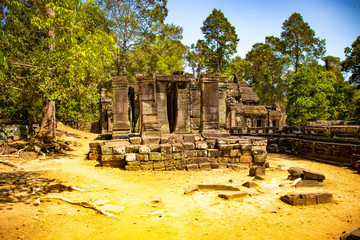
x,y
180,152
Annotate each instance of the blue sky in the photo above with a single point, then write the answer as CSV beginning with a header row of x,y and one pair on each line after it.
x,y
336,21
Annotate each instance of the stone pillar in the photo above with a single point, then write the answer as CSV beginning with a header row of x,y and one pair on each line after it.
x,y
148,106
223,86
183,124
232,115
209,102
162,106
120,106
195,106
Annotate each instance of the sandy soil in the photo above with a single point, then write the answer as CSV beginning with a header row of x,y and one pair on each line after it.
x,y
201,215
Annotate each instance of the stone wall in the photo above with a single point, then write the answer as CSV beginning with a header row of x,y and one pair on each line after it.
x,y
180,152
14,132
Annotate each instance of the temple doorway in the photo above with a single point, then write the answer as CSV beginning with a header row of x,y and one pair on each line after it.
x,y
172,108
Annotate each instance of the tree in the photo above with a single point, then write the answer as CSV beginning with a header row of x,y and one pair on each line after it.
x,y
352,62
195,56
309,96
163,54
220,41
299,41
265,73
132,21
237,66
53,50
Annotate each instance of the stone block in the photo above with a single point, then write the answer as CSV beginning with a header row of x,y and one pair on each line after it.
x,y
220,141
144,149
132,168
192,167
250,184
314,175
177,155
188,146
119,149
296,172
200,153
224,153
135,140
201,160
154,147
233,195
117,164
142,157
214,165
169,163
218,187
201,145
130,157
165,149
133,163
204,166
177,147
190,161
180,167
147,140
189,137
260,158
180,162
225,147
245,148
235,153
118,157
213,152
189,153
223,159
256,170
132,149
147,167
307,198
355,235
166,157
191,189
94,156
309,183
159,165
106,157
246,159
96,144
107,149
155,156
257,151
211,143
91,150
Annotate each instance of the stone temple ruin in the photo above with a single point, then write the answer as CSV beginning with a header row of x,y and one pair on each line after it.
x,y
168,122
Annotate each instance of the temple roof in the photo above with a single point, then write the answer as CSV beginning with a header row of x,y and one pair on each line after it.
x,y
255,110
247,94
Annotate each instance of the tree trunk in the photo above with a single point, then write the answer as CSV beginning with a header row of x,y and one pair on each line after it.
x,y
48,123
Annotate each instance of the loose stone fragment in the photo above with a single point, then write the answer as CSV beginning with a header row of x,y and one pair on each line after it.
x,y
191,189
296,172
309,183
135,140
307,198
256,170
258,178
220,187
314,175
250,184
233,195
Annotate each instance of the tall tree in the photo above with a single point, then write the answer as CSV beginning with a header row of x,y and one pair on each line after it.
x,y
132,21
53,50
299,41
266,73
352,62
220,41
195,57
237,66
309,96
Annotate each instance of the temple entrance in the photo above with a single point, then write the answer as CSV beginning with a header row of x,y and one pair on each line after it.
x,y
172,108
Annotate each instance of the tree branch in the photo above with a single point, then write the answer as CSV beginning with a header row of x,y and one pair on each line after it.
x,y
20,89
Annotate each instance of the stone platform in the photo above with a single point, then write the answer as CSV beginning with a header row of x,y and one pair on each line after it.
x,y
180,152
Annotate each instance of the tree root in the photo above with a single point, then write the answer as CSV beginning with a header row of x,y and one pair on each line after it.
x,y
59,187
7,162
83,204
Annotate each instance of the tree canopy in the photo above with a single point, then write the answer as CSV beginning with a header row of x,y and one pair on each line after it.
x,y
352,62
220,41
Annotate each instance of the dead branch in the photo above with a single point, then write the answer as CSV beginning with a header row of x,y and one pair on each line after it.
x,y
7,162
25,65
20,89
84,204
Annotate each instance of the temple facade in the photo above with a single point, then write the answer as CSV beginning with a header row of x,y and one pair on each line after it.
x,y
162,104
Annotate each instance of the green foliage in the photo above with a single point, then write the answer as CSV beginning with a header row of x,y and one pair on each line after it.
x,y
220,41
133,22
195,56
352,62
265,73
77,64
163,54
237,66
298,41
309,96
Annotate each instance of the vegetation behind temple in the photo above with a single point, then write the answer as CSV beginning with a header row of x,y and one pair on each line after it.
x,y
95,40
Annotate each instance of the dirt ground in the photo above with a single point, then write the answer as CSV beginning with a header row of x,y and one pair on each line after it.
x,y
200,215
